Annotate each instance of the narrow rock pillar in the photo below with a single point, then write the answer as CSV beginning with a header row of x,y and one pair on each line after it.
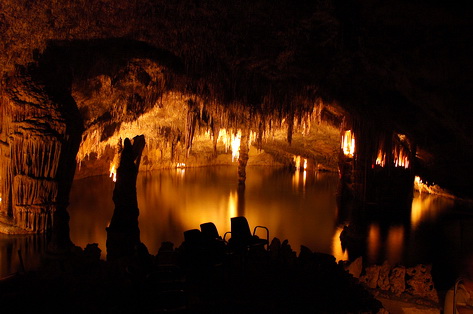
x,y
123,234
243,157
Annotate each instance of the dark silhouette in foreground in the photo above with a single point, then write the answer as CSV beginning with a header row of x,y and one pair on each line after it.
x,y
202,275
123,234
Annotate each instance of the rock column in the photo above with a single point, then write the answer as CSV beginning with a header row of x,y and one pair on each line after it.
x,y
39,138
123,234
243,157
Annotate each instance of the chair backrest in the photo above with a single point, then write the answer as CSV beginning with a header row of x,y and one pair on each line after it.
x,y
192,236
240,228
209,230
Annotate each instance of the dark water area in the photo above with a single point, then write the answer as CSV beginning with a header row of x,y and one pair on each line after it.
x,y
301,207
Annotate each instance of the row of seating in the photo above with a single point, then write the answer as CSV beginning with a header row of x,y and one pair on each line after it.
x,y
207,240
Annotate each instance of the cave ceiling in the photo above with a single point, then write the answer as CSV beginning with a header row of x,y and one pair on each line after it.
x,y
398,65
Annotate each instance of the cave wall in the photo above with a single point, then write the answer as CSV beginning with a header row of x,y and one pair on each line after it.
x,y
406,63
39,140
400,64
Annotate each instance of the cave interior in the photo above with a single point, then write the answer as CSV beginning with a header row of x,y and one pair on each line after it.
x,y
374,90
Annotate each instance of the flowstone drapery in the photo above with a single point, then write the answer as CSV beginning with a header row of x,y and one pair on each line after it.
x,y
39,140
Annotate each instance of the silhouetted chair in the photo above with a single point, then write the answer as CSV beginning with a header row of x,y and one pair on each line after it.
x,y
192,237
192,248
213,242
209,231
241,236
198,250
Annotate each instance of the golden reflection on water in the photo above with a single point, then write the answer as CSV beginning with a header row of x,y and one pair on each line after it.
x,y
337,251
373,242
173,201
395,244
426,207
299,206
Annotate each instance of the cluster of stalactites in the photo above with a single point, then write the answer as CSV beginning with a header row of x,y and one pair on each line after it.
x,y
382,148
179,119
395,151
160,130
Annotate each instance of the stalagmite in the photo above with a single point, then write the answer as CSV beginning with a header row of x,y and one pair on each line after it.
x,y
123,234
243,157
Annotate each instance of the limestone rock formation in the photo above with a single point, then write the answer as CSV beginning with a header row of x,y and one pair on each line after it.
x,y
40,136
420,282
395,70
123,234
397,279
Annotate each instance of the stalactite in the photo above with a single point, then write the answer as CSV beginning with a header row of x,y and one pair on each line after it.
x,y
191,122
290,127
215,132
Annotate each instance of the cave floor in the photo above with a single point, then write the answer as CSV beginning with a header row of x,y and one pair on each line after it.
x,y
249,283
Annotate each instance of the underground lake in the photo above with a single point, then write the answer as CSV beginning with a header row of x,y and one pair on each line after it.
x,y
300,206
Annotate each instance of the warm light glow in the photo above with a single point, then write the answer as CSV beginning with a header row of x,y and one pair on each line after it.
x,y
427,207
373,242
348,143
422,187
113,172
337,250
296,179
180,165
401,157
381,158
233,204
418,210
297,162
300,163
231,140
395,243
236,138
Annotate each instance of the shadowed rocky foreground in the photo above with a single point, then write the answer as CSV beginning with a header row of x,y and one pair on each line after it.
x,y
189,279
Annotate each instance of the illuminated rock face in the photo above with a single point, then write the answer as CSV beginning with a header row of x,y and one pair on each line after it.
x,y
39,140
148,68
47,127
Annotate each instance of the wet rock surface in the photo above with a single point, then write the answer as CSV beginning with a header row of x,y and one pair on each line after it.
x,y
412,285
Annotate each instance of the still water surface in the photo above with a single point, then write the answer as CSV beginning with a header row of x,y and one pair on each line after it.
x,y
301,207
